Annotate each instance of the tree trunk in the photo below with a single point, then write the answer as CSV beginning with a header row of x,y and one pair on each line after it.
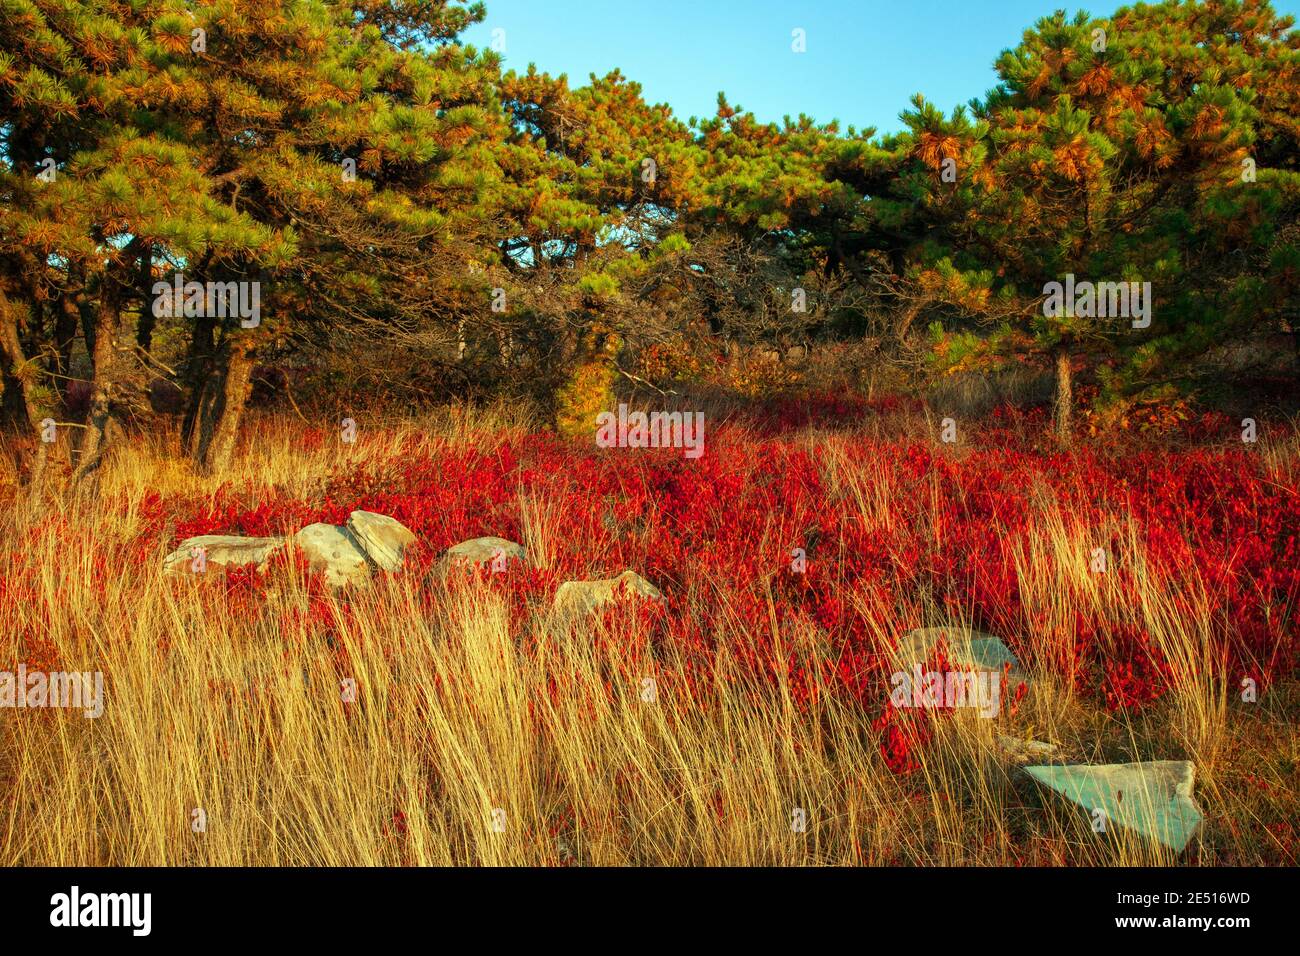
x,y
220,414
66,319
199,362
99,421
1064,395
19,376
11,394
87,316
145,324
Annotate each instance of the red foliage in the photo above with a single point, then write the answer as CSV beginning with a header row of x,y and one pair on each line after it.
x,y
715,534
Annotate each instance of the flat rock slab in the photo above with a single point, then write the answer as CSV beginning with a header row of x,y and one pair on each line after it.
x,y
480,551
1152,798
583,597
336,551
383,539
221,550
966,648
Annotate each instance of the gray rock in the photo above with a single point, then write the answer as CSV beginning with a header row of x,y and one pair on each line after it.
x,y
479,551
221,550
383,539
334,550
583,597
1151,798
1025,751
967,648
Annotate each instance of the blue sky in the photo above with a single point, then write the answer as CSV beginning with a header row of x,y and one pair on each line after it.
x,y
864,58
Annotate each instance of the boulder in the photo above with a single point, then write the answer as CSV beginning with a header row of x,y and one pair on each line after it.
x,y
1151,798
1027,751
966,648
583,597
383,539
334,550
480,551
221,550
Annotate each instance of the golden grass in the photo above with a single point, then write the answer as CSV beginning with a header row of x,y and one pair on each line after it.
x,y
459,749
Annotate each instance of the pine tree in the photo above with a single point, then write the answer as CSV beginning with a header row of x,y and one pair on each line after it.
x,y
326,151
1117,149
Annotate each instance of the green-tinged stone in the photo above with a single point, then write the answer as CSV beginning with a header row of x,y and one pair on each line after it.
x,y
1152,798
967,648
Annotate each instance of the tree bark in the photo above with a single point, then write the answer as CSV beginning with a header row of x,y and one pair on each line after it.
x,y
99,421
12,408
145,324
19,375
1064,407
199,362
66,320
223,407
